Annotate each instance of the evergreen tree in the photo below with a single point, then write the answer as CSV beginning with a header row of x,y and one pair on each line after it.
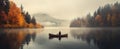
x,y
33,20
5,5
22,8
28,18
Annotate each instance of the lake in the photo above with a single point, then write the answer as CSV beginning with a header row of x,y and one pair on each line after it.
x,y
78,38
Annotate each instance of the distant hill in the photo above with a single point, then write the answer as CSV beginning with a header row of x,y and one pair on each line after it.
x,y
48,20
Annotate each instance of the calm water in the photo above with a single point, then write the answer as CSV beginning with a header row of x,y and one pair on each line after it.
x,y
78,38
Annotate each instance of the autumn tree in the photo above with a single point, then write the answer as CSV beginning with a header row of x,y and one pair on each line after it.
x,y
12,16
3,18
15,16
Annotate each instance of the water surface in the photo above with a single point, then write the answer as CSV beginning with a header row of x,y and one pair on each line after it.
x,y
78,38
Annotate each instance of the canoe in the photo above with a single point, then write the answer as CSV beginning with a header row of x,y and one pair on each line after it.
x,y
57,35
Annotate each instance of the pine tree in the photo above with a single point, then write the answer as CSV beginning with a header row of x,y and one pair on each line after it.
x,y
28,18
5,5
33,20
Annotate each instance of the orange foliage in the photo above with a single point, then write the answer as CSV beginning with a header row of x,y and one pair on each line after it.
x,y
3,15
114,20
99,19
15,16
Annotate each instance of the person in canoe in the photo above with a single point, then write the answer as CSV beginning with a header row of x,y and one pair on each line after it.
x,y
59,33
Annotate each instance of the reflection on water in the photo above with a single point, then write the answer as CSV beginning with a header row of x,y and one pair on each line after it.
x,y
15,38
102,38
78,38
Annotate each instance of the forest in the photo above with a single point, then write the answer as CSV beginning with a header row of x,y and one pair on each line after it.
x,y
106,16
12,16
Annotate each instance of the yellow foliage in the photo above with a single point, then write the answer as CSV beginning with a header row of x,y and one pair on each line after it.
x,y
108,17
114,20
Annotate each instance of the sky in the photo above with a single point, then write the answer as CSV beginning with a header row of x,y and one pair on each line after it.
x,y
63,9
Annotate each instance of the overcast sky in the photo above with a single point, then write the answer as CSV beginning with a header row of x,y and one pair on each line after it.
x,y
63,9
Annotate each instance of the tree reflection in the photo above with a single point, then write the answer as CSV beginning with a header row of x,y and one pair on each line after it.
x,y
15,38
102,38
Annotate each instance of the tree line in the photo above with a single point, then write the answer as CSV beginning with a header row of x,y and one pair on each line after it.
x,y
106,16
12,16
